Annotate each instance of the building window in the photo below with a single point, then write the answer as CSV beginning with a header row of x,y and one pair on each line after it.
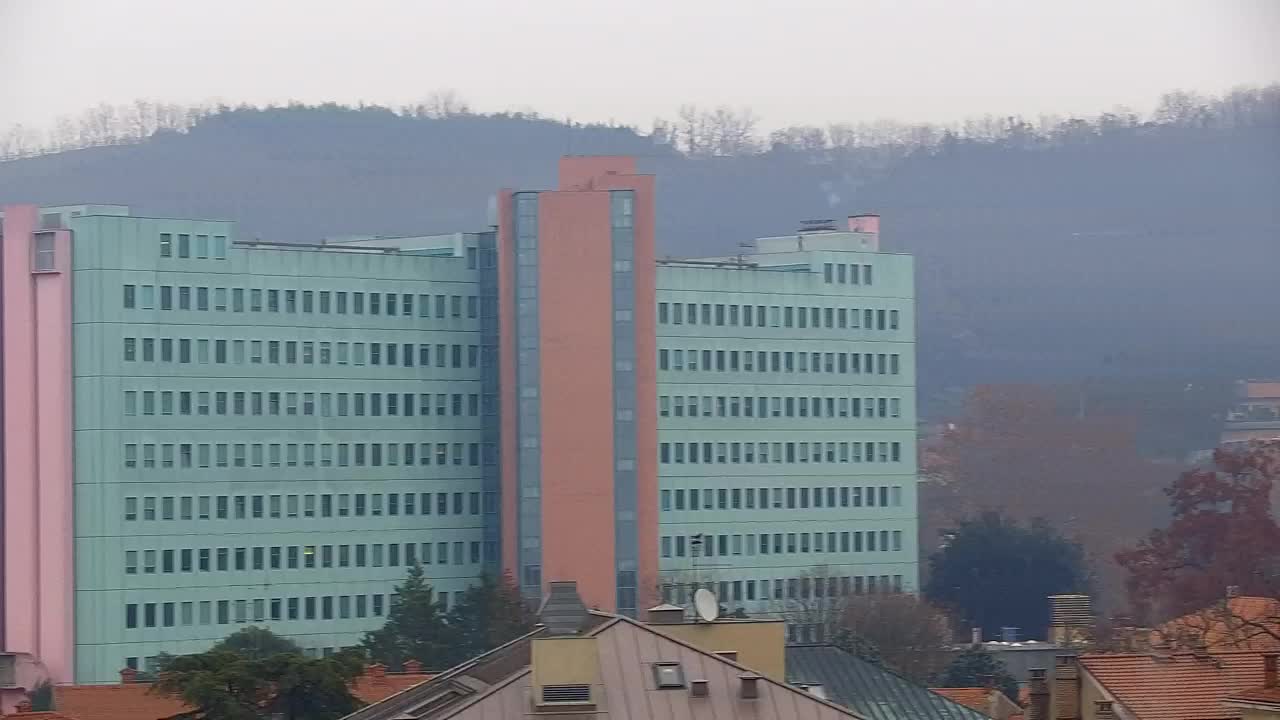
x,y
44,257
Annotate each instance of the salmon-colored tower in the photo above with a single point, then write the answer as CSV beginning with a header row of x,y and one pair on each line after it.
x,y
577,378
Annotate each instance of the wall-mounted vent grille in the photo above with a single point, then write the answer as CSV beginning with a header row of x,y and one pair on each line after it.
x,y
566,693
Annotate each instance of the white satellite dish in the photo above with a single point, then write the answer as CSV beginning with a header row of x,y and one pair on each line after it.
x,y
705,602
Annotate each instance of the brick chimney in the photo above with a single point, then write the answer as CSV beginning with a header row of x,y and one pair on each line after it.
x,y
128,675
1038,700
1066,688
376,670
23,706
1269,663
412,667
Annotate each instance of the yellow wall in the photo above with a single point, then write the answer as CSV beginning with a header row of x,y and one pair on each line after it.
x,y
570,660
761,644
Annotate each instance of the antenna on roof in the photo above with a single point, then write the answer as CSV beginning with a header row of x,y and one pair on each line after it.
x,y
705,602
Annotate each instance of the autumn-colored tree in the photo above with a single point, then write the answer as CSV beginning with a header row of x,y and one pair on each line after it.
x,y
1223,533
1018,451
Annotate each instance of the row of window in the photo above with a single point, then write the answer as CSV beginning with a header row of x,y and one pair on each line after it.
x,y
801,588
779,498
846,274
221,403
225,612
204,247
776,406
699,545
294,352
242,507
309,557
239,455
774,316
779,361
779,452
324,302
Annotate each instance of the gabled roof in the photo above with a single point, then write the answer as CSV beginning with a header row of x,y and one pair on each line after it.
x,y
626,650
1182,686
867,689
1239,623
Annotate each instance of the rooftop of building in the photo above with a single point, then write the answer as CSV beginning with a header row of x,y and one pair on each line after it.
x,y
136,701
1236,623
988,701
1178,686
868,689
629,671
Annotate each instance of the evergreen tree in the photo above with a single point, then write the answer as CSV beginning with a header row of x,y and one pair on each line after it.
x,y
257,643
996,572
975,667
415,628
224,684
487,615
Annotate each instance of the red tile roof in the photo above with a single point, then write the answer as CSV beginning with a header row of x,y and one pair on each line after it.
x,y
976,698
1263,695
1181,686
131,701
1241,623
135,701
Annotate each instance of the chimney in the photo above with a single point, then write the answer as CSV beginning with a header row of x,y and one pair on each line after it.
x,y
1103,710
377,670
412,667
1269,663
1233,591
1066,688
563,612
1038,695
128,675
975,636
23,707
1009,634
750,686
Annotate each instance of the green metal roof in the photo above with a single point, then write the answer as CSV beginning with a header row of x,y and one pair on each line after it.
x,y
869,690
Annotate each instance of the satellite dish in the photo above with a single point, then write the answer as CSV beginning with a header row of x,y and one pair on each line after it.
x,y
704,601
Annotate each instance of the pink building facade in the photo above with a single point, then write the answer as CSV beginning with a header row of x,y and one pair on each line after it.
x,y
576,302
38,569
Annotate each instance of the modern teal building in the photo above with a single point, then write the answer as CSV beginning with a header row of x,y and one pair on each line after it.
x,y
787,423
203,431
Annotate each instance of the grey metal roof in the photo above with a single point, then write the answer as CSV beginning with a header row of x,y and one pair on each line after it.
x,y
867,689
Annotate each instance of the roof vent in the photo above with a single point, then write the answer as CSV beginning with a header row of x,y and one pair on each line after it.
x,y
698,688
750,686
566,694
817,690
730,655
665,614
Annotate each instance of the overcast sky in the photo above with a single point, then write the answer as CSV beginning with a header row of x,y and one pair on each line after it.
x,y
792,61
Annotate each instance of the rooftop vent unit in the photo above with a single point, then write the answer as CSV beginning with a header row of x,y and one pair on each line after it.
x,y
814,226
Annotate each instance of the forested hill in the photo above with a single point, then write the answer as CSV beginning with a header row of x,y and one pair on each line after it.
x,y
1087,250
